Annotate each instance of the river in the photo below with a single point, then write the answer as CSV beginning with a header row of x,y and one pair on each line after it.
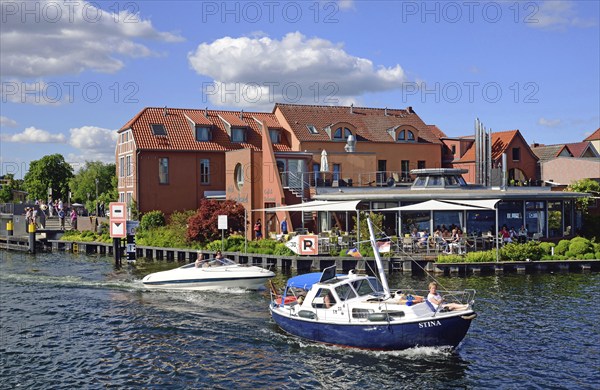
x,y
73,321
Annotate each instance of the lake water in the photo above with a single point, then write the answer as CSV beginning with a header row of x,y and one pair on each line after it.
x,y
72,321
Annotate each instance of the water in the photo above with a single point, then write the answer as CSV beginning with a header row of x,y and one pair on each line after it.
x,y
72,321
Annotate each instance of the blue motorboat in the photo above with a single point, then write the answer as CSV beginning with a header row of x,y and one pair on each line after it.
x,y
360,311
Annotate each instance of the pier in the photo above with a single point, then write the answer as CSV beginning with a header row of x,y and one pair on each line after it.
x,y
406,264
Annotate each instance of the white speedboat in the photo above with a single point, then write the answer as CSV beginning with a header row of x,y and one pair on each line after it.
x,y
360,311
210,274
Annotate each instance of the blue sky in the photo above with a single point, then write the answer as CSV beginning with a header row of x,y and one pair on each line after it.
x,y
74,72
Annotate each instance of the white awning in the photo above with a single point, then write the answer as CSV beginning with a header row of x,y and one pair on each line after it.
x,y
317,205
482,203
441,205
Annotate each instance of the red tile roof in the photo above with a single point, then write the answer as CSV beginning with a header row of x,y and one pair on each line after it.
x,y
594,136
578,148
180,135
501,140
371,123
436,131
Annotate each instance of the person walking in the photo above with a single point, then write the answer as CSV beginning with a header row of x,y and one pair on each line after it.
x,y
284,226
74,219
258,229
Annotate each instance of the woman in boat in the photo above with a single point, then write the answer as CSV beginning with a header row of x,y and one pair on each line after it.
x,y
436,299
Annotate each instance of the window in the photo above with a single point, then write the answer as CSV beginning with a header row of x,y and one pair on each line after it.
x,y
406,135
342,133
204,171
404,166
453,149
158,129
163,170
121,197
275,136
312,129
239,176
238,135
121,166
420,164
516,154
128,163
203,133
337,168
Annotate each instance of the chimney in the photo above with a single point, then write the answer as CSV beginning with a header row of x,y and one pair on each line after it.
x,y
535,145
385,112
165,111
410,110
352,108
206,112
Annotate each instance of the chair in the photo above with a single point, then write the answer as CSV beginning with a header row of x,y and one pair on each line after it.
x,y
407,244
536,236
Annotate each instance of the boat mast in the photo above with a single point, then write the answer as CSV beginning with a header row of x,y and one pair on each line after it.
x,y
384,283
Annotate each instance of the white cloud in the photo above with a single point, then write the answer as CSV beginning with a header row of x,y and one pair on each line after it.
x,y
549,122
346,4
5,121
95,143
558,14
33,135
295,69
53,38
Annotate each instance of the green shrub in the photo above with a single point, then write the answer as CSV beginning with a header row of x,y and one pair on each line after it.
x,y
480,257
569,255
580,246
589,256
450,259
547,247
282,250
520,252
562,247
214,245
597,255
152,219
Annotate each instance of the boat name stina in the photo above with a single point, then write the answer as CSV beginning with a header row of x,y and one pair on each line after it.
x,y
429,324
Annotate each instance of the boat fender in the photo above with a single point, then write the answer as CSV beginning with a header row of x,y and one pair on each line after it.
x,y
469,317
377,317
311,315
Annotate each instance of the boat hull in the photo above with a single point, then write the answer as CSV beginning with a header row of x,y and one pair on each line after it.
x,y
255,283
430,332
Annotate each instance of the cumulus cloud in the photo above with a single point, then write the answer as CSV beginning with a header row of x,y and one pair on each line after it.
x,y
95,144
33,135
295,69
549,122
55,38
7,122
558,14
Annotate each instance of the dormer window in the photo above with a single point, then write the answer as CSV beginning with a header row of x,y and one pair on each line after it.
x,y
203,133
238,134
275,136
341,133
406,136
158,129
312,129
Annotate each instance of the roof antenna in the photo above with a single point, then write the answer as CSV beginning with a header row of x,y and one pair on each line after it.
x,y
352,108
206,112
385,112
165,111
242,114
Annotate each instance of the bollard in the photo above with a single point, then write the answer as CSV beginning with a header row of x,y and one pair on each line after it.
x,y
31,237
9,228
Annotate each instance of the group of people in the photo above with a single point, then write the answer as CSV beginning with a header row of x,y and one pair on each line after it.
x,y
510,235
200,262
37,215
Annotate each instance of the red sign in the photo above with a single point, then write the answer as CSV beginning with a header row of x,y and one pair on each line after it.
x,y
118,219
308,245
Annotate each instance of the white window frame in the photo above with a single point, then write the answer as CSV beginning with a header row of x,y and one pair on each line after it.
x,y
204,176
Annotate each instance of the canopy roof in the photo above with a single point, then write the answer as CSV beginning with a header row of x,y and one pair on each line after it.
x,y
317,205
445,205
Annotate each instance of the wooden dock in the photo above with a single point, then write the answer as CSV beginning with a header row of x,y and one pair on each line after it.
x,y
406,264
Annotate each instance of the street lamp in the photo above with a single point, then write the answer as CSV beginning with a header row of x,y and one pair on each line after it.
x,y
96,197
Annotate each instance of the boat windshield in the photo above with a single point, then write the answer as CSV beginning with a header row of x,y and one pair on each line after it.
x,y
210,263
369,286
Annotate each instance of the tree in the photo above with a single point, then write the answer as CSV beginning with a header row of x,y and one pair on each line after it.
x,y
49,172
84,184
7,189
589,186
203,226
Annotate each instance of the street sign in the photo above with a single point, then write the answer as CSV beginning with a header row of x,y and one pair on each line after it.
x,y
304,245
222,222
117,229
117,211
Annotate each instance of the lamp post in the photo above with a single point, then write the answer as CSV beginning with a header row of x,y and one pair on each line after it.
x,y
96,197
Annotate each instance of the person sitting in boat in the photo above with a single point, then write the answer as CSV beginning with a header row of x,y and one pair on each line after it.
x,y
328,300
436,299
199,259
219,255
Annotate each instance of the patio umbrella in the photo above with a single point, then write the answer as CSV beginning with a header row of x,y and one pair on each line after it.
x,y
324,162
